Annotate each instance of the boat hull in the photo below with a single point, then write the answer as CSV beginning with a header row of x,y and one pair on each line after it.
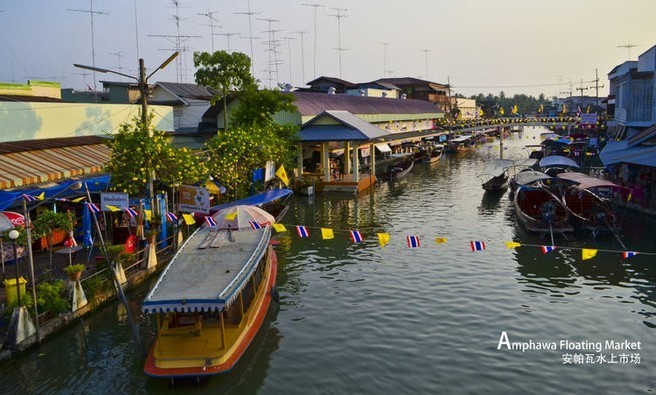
x,y
540,211
212,365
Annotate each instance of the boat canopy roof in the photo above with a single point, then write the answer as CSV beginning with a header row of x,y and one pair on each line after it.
x,y
525,163
529,177
557,160
588,182
256,200
497,167
209,271
460,139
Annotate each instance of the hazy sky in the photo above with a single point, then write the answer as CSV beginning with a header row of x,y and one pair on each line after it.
x,y
515,46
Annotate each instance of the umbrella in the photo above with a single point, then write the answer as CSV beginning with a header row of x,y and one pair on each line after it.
x,y
10,219
238,217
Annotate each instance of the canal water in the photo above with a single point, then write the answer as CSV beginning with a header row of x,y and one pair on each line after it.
x,y
361,319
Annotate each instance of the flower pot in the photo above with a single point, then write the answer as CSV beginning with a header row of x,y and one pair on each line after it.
x,y
74,276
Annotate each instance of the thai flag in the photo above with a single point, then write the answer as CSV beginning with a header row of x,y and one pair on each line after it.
x,y
302,231
171,217
255,225
131,212
547,249
210,221
356,236
412,241
92,207
29,198
477,245
629,254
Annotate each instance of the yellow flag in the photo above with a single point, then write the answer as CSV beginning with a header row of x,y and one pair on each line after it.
x,y
327,233
148,214
282,174
514,109
587,111
279,228
189,219
231,216
78,200
440,240
628,198
587,253
564,109
501,111
383,239
512,244
111,208
41,196
480,112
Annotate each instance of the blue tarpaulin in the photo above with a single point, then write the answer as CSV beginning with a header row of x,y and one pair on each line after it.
x,y
255,200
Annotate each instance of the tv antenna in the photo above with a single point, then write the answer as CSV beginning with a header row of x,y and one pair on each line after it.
x,y
628,47
250,33
212,19
302,33
228,35
339,48
315,6
91,13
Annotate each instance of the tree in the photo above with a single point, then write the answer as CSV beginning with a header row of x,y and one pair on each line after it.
x,y
257,107
225,72
135,154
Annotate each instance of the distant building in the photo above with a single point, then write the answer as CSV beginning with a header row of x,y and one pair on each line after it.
x,y
32,91
189,102
415,88
467,107
329,85
376,89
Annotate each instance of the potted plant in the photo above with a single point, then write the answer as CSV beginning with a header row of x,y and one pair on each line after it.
x,y
74,272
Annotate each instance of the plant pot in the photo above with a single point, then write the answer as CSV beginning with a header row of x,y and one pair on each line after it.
x,y
75,276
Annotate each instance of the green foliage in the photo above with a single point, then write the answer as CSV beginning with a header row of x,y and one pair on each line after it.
x,y
51,297
49,221
135,154
78,267
224,71
257,107
96,285
525,104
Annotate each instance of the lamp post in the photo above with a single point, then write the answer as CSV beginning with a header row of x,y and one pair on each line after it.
x,y
13,235
142,82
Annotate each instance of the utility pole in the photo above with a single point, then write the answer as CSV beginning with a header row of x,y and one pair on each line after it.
x,y
581,88
597,86
339,48
628,47
385,45
426,51
91,12
315,6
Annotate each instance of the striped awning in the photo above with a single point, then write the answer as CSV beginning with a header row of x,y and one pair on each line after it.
x,y
52,164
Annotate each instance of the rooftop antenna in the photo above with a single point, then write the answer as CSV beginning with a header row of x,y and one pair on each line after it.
x,y
228,35
302,33
289,52
272,47
210,16
250,33
177,40
91,12
119,55
628,47
339,48
426,51
315,6
385,45
136,28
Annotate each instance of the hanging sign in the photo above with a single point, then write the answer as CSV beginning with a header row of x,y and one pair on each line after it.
x,y
115,199
194,199
270,171
588,119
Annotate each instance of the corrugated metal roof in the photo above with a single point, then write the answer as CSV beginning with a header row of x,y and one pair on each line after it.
x,y
25,167
30,145
191,91
333,80
643,136
309,104
619,152
331,133
349,127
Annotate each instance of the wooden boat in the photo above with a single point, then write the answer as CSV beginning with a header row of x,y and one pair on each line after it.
x,y
433,154
460,144
495,175
210,302
539,208
401,168
589,202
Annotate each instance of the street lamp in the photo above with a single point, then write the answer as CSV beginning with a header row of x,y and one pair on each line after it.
x,y
13,235
142,82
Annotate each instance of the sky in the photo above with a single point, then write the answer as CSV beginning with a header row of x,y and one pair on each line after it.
x,y
478,46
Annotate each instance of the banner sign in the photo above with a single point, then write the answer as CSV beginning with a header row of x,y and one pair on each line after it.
x,y
116,199
194,199
270,171
588,119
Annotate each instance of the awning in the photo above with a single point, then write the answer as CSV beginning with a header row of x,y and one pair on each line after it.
x,y
619,152
382,147
31,167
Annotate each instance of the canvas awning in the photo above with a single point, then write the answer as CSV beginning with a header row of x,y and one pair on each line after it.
x,y
51,164
382,147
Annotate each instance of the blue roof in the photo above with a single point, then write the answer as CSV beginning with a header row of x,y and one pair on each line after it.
x,y
620,152
255,200
331,133
347,127
557,160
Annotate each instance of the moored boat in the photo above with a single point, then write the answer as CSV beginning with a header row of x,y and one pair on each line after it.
x,y
210,302
495,175
589,202
539,208
401,168
434,153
